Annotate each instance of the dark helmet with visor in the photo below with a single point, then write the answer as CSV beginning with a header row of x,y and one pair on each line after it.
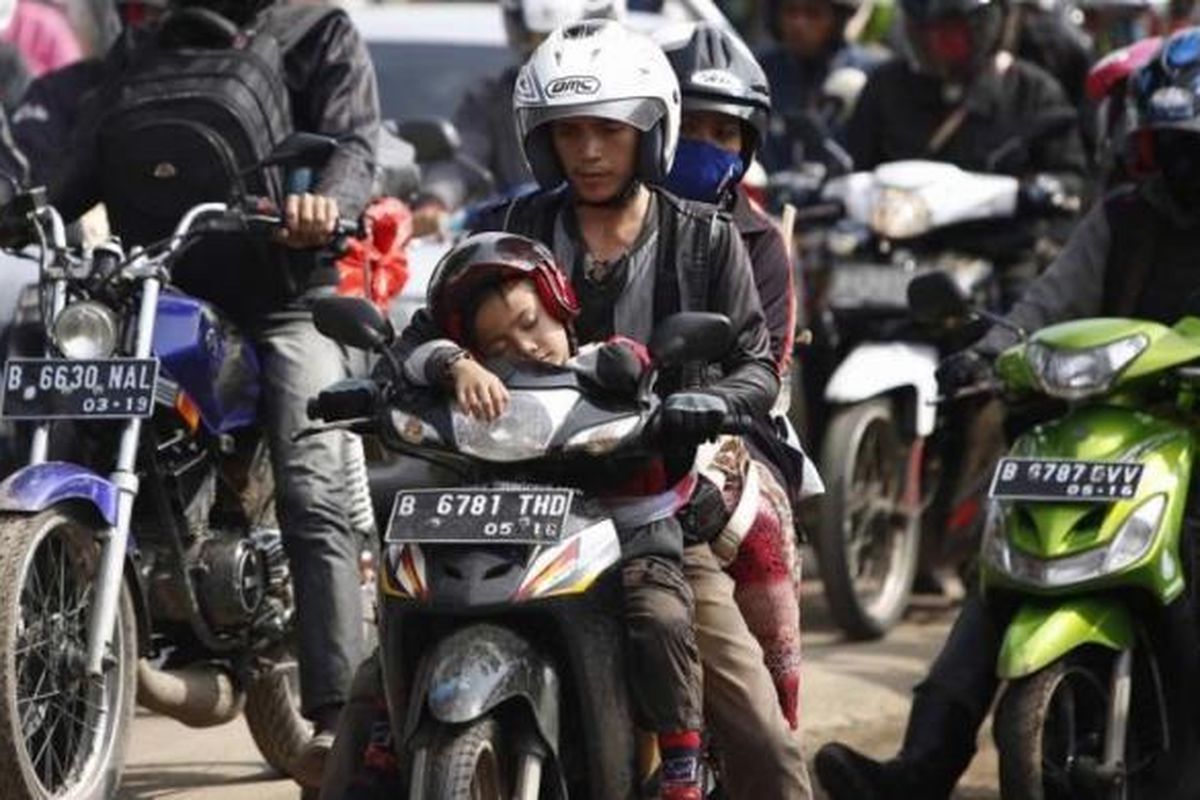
x,y
953,39
717,72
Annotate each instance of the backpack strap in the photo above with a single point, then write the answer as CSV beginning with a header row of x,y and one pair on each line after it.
x,y
1133,226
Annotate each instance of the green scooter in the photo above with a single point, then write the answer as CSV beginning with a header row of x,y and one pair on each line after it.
x,y
1084,539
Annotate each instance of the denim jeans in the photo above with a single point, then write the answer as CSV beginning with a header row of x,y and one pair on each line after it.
x,y
313,495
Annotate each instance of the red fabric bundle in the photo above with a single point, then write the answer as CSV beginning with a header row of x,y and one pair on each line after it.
x,y
376,266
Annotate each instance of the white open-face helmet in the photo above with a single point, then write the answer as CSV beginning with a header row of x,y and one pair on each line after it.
x,y
598,69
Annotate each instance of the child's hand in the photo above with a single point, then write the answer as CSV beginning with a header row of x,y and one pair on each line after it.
x,y
478,392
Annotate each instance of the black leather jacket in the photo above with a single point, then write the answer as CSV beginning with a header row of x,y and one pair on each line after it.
x,y
693,238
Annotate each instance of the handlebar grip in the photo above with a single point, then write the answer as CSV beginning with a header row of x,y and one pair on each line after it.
x,y
350,399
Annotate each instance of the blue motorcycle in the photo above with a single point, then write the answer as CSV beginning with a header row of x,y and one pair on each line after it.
x,y
161,575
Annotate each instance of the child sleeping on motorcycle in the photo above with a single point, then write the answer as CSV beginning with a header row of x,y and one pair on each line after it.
x,y
502,297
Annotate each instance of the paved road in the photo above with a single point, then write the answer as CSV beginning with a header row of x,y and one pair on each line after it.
x,y
857,692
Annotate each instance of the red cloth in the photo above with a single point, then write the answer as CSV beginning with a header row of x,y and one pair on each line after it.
x,y
380,254
766,588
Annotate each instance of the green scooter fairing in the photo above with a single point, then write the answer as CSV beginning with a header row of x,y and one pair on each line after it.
x,y
1167,347
1053,531
1042,633
1031,540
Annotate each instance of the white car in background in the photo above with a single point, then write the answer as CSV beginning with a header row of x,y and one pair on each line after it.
x,y
428,54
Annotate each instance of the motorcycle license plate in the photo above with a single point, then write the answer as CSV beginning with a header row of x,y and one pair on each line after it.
x,y
1065,481
58,388
531,516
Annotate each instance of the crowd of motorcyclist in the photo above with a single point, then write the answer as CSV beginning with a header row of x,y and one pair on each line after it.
x,y
630,195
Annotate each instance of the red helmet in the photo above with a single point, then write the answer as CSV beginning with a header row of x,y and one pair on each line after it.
x,y
486,260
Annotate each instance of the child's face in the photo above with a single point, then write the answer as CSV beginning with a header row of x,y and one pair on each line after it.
x,y
512,324
720,130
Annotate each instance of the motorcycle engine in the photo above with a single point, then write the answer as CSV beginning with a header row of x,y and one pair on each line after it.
x,y
242,580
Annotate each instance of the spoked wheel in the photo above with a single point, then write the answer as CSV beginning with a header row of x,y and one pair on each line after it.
x,y
62,735
1046,726
867,542
467,763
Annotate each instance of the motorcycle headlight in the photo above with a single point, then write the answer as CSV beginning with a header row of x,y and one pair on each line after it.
x,y
601,439
523,432
900,214
412,429
1076,374
1129,546
85,330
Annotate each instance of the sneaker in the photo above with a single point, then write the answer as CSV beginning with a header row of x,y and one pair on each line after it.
x,y
309,766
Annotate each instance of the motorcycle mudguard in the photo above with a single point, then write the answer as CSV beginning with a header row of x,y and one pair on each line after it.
x,y
876,368
1041,634
39,486
478,668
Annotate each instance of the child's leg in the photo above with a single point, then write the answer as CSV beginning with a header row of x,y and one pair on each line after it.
x,y
664,667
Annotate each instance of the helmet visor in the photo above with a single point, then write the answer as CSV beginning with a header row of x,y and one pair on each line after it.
x,y
640,112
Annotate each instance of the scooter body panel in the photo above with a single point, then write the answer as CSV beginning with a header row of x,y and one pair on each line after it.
x,y
877,368
1042,633
1041,539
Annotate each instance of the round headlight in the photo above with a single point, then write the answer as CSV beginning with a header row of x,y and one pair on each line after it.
x,y
85,330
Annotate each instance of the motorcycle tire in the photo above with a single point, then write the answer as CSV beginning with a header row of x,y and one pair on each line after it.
x,y
49,749
467,763
273,716
841,541
1028,729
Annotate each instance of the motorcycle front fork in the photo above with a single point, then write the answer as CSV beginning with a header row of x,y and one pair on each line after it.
x,y
114,541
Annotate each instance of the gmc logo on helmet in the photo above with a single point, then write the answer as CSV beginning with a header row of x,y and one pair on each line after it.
x,y
573,84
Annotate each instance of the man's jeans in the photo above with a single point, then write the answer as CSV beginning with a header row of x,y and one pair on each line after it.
x,y
313,495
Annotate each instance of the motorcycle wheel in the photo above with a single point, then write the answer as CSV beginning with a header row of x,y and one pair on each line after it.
x,y
867,543
273,715
1047,722
61,735
466,763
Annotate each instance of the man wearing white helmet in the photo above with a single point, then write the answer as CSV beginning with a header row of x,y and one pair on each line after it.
x,y
598,115
484,117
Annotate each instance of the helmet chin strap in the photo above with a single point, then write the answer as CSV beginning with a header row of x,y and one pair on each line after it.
x,y
619,200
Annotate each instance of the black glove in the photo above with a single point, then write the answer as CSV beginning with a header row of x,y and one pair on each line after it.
x,y
695,416
965,368
1045,194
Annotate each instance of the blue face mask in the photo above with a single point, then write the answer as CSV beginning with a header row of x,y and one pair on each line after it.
x,y
703,171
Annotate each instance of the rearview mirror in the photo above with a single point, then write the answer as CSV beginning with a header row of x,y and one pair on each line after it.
x,y
354,322
433,139
935,299
691,336
301,150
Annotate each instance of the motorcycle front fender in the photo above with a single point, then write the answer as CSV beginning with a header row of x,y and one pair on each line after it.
x,y
878,368
37,487
1040,634
478,668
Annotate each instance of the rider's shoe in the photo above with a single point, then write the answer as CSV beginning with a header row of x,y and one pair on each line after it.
x,y
309,766
847,774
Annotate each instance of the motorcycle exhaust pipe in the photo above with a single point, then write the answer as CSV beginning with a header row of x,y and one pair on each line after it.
x,y
199,697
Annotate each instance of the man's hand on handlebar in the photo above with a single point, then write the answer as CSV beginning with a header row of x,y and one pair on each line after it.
x,y
963,369
695,416
311,220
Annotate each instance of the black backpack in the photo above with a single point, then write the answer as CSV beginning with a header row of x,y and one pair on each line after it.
x,y
191,111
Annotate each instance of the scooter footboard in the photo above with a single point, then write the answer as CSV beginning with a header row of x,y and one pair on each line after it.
x,y
478,668
1041,633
